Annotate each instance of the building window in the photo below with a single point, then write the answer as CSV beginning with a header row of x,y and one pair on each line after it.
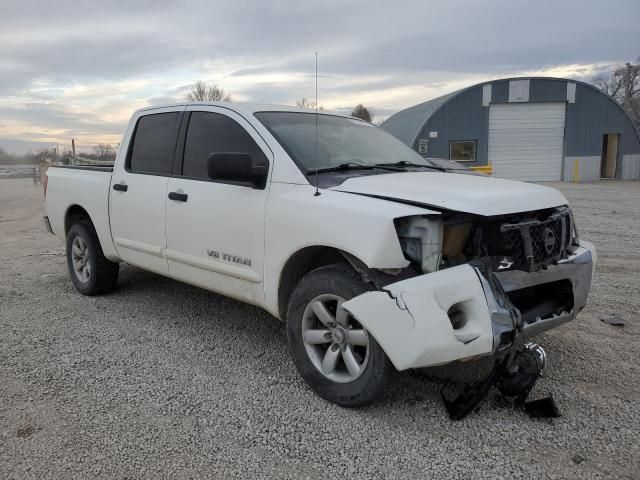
x,y
462,151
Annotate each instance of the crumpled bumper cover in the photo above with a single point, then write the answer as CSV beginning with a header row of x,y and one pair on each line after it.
x,y
453,314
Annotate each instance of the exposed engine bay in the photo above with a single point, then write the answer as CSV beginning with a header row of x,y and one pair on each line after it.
x,y
531,272
525,241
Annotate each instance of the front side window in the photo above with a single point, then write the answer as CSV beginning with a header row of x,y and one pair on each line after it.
x,y
214,133
335,141
462,151
154,143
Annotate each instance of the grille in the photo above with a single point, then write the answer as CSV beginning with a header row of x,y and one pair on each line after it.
x,y
534,244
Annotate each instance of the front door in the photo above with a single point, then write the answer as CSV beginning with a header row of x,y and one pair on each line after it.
x,y
138,192
215,231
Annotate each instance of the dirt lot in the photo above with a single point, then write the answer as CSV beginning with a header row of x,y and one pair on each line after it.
x,y
160,379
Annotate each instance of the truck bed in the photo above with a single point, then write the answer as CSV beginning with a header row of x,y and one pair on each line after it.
x,y
93,168
77,188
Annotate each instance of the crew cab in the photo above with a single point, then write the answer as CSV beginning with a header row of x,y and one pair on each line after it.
x,y
376,258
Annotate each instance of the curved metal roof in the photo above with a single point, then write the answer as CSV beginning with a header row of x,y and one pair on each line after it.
x,y
407,124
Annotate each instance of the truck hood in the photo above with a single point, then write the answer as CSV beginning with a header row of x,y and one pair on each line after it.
x,y
475,194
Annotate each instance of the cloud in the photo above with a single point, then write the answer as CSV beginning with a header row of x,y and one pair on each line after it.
x,y
74,68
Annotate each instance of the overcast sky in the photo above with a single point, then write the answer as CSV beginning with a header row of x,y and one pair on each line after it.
x,y
78,69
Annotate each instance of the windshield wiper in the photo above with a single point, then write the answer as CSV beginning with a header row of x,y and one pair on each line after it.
x,y
404,163
355,166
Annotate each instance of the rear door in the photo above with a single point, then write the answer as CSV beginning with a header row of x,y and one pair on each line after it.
x,y
139,190
215,230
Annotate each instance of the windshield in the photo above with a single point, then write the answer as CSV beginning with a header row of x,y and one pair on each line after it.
x,y
341,140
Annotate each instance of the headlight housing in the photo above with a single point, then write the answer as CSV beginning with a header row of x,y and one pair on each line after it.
x,y
455,238
575,239
421,240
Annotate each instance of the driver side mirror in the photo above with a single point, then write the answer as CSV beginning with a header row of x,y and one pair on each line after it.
x,y
238,169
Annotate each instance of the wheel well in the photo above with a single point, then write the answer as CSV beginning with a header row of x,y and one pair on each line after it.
x,y
75,214
298,265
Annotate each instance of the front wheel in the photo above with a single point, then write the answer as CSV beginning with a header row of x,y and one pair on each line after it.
x,y
333,352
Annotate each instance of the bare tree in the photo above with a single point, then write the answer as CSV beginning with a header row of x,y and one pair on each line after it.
x,y
623,85
362,113
4,156
306,103
104,151
201,92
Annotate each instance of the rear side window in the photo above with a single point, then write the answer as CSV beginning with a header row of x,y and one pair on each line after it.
x,y
214,133
154,144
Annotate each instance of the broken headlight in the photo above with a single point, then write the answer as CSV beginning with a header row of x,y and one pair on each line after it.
x,y
421,241
575,240
455,238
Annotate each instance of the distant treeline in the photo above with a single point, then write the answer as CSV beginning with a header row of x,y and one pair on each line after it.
x,y
102,152
30,158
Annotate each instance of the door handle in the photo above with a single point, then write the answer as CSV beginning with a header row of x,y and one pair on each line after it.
x,y
121,187
178,197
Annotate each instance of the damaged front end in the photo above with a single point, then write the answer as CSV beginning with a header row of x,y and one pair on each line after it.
x,y
481,303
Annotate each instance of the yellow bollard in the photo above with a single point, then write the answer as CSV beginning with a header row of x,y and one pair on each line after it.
x,y
576,170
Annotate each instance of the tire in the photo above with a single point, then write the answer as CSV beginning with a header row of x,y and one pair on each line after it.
x,y
344,386
98,275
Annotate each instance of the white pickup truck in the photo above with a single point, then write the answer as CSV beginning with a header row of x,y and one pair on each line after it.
x,y
375,257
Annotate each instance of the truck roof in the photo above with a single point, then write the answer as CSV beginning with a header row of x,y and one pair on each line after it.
x,y
244,107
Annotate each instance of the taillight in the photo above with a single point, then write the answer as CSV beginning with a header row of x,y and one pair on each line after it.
x,y
44,184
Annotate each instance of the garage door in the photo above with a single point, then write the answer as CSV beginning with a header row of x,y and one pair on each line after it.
x,y
526,140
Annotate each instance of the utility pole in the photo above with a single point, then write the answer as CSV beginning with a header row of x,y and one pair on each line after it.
x,y
73,151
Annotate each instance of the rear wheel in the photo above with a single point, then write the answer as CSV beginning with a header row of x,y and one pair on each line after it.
x,y
91,272
333,352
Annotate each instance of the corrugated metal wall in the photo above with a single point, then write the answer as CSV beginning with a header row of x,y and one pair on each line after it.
x,y
593,115
461,118
588,169
548,90
630,167
500,92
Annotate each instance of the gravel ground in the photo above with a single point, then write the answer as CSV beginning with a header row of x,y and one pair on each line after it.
x,y
160,379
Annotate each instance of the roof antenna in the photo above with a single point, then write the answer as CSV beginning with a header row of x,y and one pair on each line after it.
x,y
316,118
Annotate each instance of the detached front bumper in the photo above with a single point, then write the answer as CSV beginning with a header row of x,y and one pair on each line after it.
x,y
456,314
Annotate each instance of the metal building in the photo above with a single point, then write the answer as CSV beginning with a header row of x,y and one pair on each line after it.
x,y
535,129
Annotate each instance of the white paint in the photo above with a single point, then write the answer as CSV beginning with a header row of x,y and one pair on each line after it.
x,y
225,218
631,167
518,91
463,193
412,325
85,188
359,225
138,246
269,226
571,92
486,95
138,215
526,141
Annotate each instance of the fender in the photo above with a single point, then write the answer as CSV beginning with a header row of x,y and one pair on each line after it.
x,y
360,226
428,320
